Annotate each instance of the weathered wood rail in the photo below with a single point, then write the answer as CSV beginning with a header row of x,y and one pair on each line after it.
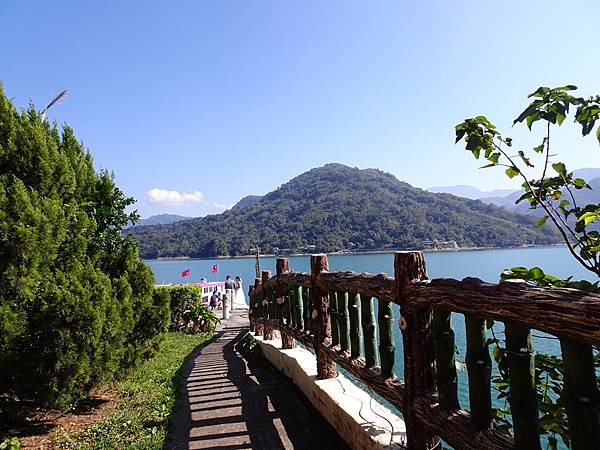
x,y
327,311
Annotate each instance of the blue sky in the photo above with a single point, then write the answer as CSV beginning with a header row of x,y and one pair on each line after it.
x,y
195,104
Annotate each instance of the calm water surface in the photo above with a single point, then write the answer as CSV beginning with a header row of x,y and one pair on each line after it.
x,y
484,264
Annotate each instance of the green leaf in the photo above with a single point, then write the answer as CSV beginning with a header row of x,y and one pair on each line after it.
x,y
579,183
533,118
497,353
539,148
560,168
541,222
512,172
535,273
598,134
568,87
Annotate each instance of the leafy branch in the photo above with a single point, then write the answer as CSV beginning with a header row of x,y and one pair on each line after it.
x,y
552,106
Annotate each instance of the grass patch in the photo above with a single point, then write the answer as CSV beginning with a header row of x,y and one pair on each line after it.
x,y
141,418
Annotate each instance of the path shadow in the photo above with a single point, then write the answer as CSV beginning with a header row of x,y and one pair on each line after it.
x,y
234,399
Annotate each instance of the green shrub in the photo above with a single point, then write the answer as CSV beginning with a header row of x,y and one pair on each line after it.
x,y
76,303
187,311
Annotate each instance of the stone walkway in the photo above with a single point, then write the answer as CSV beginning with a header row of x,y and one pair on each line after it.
x,y
234,400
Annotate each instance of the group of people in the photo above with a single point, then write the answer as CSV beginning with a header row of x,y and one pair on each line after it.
x,y
233,292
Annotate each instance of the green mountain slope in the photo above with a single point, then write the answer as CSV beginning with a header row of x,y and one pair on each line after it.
x,y
336,207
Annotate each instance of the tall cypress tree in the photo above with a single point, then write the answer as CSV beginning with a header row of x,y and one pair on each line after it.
x,y
76,301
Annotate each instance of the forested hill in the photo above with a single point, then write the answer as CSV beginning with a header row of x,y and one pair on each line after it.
x,y
336,207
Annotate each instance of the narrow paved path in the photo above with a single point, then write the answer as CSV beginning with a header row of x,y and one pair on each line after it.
x,y
232,399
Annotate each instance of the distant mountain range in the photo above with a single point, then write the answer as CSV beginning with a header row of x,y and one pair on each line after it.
x,y
339,208
506,198
161,219
463,190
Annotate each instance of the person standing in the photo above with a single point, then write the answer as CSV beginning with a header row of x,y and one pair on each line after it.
x,y
229,293
239,300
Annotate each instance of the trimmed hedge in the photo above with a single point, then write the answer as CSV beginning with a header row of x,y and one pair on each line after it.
x,y
76,301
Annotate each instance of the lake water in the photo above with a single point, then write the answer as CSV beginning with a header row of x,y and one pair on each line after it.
x,y
484,264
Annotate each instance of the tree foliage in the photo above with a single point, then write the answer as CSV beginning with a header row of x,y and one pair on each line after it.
x,y
551,189
336,207
76,304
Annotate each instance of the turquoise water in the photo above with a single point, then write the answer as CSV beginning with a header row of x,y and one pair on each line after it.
x,y
484,264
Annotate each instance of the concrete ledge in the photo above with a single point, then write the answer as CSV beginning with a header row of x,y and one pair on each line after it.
x,y
358,418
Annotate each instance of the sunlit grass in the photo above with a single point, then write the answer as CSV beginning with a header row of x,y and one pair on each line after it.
x,y
141,418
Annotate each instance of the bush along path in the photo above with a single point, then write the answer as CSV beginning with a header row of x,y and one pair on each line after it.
x,y
231,397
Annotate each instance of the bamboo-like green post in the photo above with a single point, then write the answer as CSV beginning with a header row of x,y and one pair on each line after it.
x,y
343,321
443,348
387,348
299,309
292,306
306,310
520,359
479,369
355,332
580,394
367,315
310,312
335,328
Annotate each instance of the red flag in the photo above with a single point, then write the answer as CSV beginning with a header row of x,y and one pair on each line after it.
x,y
185,273
215,268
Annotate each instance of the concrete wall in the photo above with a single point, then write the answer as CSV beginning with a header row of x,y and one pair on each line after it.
x,y
356,416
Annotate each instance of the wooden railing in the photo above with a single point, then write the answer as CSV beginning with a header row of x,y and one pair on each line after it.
x,y
323,310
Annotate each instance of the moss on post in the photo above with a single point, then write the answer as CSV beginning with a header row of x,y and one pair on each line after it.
x,y
443,347
387,347
367,314
520,359
343,321
479,369
580,394
355,331
335,327
299,308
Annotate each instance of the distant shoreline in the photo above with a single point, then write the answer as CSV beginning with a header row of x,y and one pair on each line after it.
x,y
366,252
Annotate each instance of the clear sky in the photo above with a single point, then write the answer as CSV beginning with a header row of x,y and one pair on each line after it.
x,y
215,100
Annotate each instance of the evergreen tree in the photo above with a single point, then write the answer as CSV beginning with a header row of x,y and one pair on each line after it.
x,y
76,302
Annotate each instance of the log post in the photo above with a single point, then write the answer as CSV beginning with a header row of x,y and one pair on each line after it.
x,y
520,359
387,347
335,327
580,394
479,370
445,363
287,341
343,321
268,328
258,309
415,324
367,315
326,367
355,333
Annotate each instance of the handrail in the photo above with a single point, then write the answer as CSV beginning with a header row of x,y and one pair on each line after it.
x,y
326,310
